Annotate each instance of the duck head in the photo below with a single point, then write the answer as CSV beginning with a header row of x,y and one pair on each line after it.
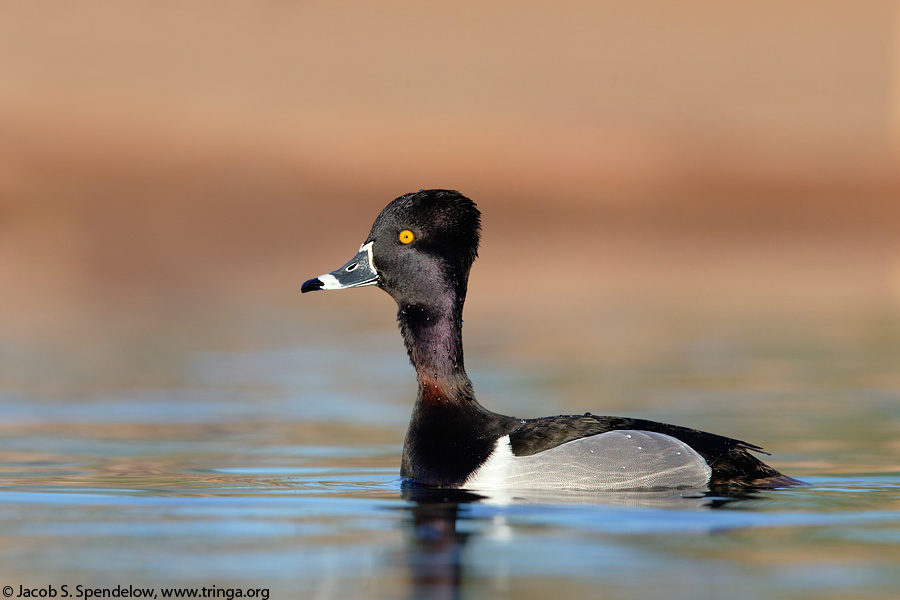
x,y
420,250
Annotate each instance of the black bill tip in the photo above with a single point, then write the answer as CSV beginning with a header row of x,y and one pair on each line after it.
x,y
312,285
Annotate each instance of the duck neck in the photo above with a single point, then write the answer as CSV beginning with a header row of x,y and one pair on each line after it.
x,y
433,338
450,434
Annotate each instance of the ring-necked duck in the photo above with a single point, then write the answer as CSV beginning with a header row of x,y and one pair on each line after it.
x,y
420,250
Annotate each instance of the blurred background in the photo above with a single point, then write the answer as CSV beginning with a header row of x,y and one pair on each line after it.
x,y
176,166
691,214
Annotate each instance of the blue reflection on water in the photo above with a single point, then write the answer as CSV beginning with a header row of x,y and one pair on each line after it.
x,y
278,467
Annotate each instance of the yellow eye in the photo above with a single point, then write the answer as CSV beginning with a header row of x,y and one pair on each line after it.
x,y
406,236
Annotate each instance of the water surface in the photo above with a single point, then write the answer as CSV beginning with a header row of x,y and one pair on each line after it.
x,y
267,459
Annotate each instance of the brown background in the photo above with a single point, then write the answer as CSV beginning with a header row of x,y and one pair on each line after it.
x,y
156,157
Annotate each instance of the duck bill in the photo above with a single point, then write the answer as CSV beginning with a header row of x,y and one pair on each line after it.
x,y
359,271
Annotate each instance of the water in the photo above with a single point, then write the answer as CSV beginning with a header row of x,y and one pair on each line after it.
x,y
265,461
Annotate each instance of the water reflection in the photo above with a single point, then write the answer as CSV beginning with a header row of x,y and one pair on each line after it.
x,y
436,545
275,466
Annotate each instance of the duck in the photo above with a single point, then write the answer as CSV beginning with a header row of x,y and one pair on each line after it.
x,y
420,250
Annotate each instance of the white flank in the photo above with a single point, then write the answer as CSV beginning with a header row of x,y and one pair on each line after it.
x,y
495,471
615,460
